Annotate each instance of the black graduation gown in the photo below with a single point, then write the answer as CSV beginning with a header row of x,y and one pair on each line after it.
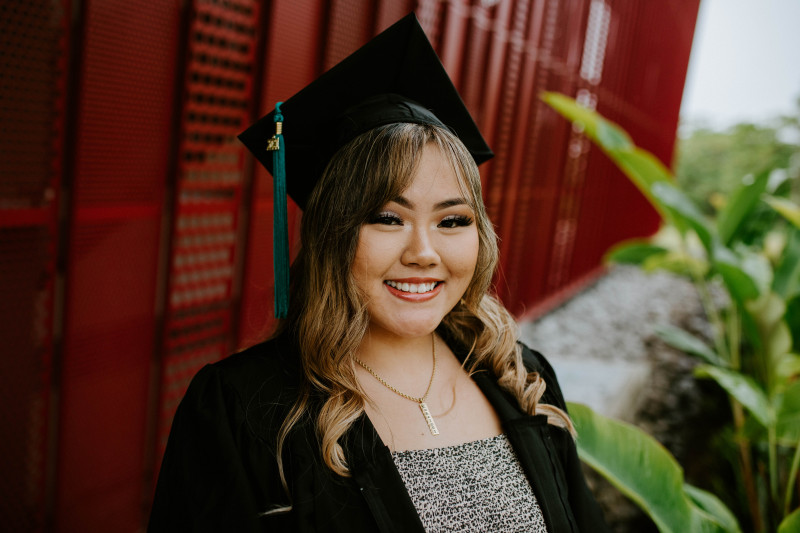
x,y
219,471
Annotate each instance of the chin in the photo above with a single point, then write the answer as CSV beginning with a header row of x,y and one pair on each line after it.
x,y
410,329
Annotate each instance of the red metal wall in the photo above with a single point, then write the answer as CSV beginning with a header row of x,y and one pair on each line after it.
x,y
32,116
121,140
135,233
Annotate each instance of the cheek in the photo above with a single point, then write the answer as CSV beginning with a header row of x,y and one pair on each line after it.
x,y
464,256
369,257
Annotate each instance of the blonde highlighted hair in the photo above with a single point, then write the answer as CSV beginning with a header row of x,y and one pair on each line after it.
x,y
328,317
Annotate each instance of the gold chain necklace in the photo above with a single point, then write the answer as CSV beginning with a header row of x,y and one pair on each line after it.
x,y
421,401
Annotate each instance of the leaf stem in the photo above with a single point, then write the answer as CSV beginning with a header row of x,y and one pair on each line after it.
x,y
747,466
772,450
787,501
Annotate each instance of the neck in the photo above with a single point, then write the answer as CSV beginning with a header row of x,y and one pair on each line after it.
x,y
392,353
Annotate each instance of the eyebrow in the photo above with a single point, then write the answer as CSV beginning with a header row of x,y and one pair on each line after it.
x,y
441,205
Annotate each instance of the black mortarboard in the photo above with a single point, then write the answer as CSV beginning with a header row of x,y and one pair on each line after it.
x,y
395,77
331,111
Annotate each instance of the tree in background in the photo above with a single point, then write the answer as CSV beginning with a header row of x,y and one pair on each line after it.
x,y
711,164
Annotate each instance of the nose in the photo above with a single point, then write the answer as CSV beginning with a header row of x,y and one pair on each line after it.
x,y
420,249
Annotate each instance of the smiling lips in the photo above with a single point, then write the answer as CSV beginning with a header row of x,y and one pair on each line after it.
x,y
414,290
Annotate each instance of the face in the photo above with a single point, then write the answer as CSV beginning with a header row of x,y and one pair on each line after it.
x,y
416,256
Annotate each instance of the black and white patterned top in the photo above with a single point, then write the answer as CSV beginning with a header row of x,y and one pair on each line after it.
x,y
475,486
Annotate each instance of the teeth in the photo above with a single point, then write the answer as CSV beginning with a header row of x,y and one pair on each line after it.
x,y
414,288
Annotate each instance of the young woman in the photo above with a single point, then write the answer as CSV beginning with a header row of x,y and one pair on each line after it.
x,y
394,396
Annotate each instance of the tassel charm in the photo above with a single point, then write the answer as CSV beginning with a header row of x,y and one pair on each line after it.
x,y
274,143
280,226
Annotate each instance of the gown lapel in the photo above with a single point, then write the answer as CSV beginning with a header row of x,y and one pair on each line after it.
x,y
376,475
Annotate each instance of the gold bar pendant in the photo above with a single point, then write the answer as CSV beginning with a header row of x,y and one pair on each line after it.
x,y
428,418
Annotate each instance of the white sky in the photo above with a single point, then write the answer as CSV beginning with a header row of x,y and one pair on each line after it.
x,y
745,62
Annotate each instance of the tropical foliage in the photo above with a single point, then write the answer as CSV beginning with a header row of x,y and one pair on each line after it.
x,y
752,350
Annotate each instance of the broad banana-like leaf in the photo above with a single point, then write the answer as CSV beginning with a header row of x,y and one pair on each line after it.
x,y
739,283
714,506
640,166
633,252
788,415
787,208
741,204
645,472
746,391
683,208
790,524
677,262
789,367
792,318
787,273
768,313
686,342
609,135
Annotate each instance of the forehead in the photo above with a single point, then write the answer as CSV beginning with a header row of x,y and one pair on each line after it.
x,y
437,177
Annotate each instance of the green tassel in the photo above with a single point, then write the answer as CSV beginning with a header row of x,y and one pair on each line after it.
x,y
280,226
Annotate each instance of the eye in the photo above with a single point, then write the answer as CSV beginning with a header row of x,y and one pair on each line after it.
x,y
386,218
456,221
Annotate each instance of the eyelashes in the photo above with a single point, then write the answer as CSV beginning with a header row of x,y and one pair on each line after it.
x,y
388,218
456,221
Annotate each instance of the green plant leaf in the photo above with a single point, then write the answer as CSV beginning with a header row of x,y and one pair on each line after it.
x,y
787,208
686,342
789,367
641,469
741,204
790,524
787,273
612,137
774,336
591,121
713,506
643,169
640,166
787,423
683,208
633,252
792,318
677,262
739,283
756,266
743,388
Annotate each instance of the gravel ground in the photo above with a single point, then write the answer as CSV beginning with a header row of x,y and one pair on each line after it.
x,y
601,341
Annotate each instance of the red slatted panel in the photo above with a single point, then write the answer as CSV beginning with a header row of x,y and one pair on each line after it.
x,y
26,268
451,49
529,207
390,11
350,24
33,56
430,13
121,160
475,58
573,173
290,64
638,89
218,90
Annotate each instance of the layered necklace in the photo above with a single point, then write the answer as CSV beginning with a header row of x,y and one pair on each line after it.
x,y
421,401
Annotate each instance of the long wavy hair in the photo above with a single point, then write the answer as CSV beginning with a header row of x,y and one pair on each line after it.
x,y
328,317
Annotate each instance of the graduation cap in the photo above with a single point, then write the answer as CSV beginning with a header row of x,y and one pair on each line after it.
x,y
396,77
